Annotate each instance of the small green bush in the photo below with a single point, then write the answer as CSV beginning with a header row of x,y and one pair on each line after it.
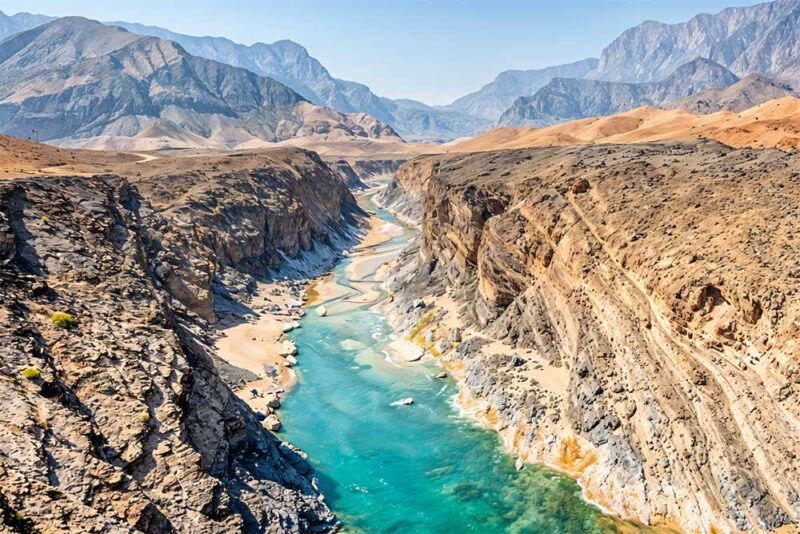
x,y
62,320
31,373
144,417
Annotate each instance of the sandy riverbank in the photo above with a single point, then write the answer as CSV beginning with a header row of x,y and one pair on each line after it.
x,y
257,344
361,286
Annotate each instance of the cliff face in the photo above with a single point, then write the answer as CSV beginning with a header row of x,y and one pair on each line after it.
x,y
248,212
631,317
117,418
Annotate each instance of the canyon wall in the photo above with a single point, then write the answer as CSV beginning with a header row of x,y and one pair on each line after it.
x,y
627,314
114,415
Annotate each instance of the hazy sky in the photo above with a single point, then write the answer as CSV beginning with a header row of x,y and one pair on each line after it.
x,y
430,50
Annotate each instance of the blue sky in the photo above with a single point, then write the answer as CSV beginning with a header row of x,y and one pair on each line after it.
x,y
430,50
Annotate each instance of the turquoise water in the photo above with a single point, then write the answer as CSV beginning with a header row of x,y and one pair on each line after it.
x,y
409,469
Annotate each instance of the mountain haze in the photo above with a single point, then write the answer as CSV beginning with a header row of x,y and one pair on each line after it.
x,y
568,99
11,24
292,65
497,96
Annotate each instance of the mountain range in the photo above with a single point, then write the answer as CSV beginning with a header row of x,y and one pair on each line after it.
x,y
744,94
74,80
292,65
651,64
497,96
764,38
569,98
11,24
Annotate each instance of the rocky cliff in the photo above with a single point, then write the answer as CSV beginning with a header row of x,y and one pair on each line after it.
x,y
628,314
361,173
115,417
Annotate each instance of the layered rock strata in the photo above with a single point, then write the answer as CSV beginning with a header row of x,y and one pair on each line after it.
x,y
628,314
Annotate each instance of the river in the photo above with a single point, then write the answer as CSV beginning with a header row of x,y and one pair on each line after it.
x,y
421,468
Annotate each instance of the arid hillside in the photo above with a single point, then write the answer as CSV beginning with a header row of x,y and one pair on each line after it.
x,y
773,124
19,157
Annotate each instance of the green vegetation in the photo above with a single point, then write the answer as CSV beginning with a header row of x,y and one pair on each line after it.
x,y
423,323
62,320
31,373
144,417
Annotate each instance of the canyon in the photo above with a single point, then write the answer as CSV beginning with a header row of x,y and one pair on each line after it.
x,y
239,294
598,336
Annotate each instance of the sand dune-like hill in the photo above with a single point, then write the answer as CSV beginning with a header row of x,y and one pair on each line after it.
x,y
773,124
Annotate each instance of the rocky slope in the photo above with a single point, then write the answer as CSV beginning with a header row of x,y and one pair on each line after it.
x,y
115,417
497,96
754,39
74,80
568,99
749,92
628,314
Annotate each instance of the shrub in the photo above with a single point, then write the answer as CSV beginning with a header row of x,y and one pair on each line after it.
x,y
31,373
144,417
62,320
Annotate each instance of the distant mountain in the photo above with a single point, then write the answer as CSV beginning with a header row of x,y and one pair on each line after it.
x,y
421,122
750,91
292,65
494,98
74,79
763,38
566,99
11,24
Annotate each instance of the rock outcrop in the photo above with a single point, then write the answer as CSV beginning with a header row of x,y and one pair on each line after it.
x,y
628,314
114,414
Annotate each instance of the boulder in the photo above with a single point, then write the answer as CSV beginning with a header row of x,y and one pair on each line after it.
x,y
272,423
273,401
288,348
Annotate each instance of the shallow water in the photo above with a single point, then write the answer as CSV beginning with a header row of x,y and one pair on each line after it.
x,y
409,469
